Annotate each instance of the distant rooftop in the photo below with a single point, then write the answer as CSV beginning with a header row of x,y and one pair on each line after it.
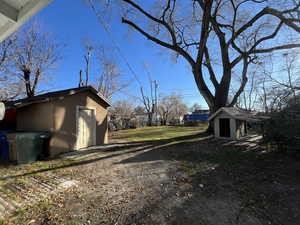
x,y
201,111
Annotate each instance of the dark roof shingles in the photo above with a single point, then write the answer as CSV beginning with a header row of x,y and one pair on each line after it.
x,y
54,95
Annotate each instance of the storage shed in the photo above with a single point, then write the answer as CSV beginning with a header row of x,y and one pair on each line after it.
x,y
230,122
76,117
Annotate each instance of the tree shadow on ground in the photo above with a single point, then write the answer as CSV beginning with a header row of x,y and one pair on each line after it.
x,y
226,184
109,151
232,184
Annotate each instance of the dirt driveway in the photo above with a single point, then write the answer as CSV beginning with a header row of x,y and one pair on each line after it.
x,y
172,182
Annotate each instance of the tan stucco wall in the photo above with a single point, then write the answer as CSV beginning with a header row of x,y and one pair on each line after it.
x,y
65,113
37,117
101,119
59,117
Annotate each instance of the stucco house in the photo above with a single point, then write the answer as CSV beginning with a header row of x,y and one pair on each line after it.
x,y
76,117
231,122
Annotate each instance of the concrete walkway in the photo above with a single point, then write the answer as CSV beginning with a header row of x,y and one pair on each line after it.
x,y
249,142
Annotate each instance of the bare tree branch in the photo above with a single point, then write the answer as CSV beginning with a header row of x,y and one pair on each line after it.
x,y
157,41
162,22
210,69
282,47
235,37
243,82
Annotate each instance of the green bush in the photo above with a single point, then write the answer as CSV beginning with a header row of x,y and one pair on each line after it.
x,y
283,128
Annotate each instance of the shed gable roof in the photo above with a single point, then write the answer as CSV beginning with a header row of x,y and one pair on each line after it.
x,y
236,114
55,96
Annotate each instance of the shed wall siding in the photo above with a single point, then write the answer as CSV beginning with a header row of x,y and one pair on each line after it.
x,y
233,126
65,117
37,117
101,119
59,117
217,127
240,129
64,136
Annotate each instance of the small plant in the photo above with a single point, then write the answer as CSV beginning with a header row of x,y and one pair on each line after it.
x,y
197,167
19,212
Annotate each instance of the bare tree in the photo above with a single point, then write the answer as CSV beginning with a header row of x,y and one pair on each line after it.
x,y
149,105
279,81
171,108
139,110
270,84
195,107
178,110
121,114
35,53
89,48
164,109
110,82
6,51
217,37
288,75
122,108
249,97
10,88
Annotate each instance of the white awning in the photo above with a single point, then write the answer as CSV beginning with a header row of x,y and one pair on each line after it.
x,y
14,13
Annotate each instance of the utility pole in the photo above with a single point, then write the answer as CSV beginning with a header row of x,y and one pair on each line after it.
x,y
87,70
87,58
81,83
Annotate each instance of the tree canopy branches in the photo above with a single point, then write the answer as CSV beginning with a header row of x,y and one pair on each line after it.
x,y
234,33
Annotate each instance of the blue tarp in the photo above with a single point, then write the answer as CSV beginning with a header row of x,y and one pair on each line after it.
x,y
195,117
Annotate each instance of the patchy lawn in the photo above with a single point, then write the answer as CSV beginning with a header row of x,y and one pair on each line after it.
x,y
155,133
173,176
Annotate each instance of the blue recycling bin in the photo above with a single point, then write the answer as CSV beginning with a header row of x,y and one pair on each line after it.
x,y
4,147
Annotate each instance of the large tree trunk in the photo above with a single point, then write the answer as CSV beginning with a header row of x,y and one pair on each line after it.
x,y
220,101
214,102
26,75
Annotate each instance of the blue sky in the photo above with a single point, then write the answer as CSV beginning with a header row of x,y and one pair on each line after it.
x,y
70,24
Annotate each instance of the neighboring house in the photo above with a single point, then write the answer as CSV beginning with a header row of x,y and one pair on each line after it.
x,y
201,112
142,118
230,122
14,13
77,118
197,116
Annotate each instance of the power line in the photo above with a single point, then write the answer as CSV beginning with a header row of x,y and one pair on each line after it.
x,y
115,45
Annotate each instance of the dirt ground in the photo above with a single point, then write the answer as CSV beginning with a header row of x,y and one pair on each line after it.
x,y
172,182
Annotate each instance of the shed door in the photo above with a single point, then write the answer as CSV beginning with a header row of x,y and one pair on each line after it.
x,y
224,127
86,131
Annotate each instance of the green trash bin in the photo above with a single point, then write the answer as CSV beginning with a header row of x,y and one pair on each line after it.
x,y
30,146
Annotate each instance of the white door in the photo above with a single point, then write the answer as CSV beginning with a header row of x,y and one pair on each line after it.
x,y
86,124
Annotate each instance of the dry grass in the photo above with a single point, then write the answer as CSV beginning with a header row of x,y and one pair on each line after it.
x,y
155,133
